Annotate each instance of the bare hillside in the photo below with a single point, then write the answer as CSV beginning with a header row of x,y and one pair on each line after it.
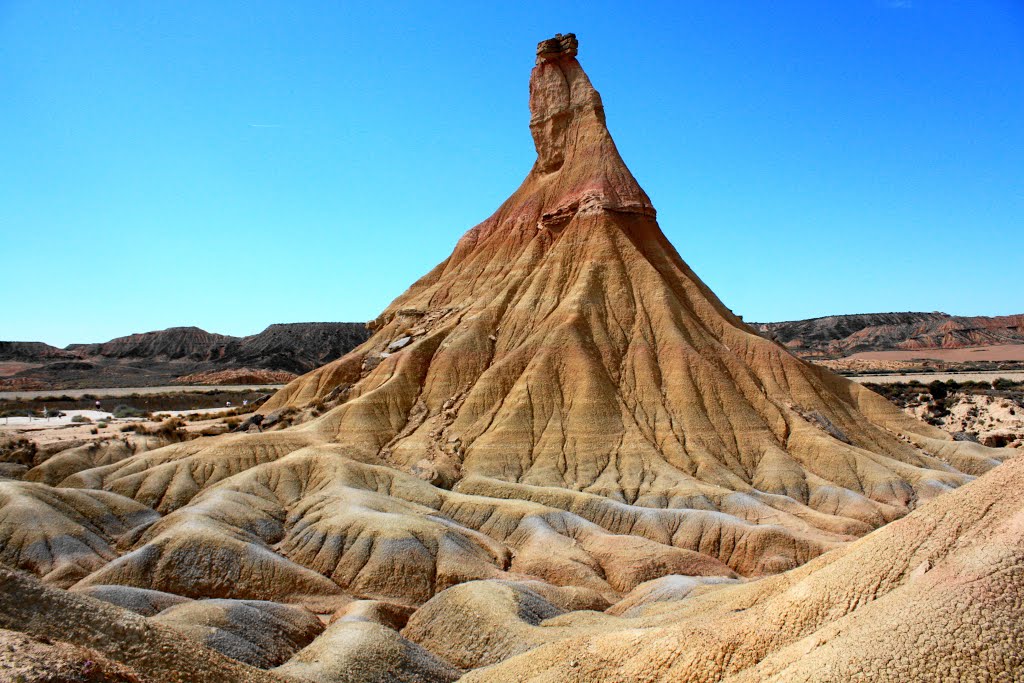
x,y
178,354
843,335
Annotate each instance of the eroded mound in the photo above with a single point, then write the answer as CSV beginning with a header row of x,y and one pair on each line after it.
x,y
363,652
938,595
258,633
136,649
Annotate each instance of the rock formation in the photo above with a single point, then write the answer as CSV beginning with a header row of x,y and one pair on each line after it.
x,y
559,419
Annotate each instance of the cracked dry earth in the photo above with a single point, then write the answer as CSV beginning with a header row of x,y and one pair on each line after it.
x,y
559,457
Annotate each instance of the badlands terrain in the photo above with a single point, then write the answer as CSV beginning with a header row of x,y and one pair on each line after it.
x,y
846,335
559,457
867,343
185,355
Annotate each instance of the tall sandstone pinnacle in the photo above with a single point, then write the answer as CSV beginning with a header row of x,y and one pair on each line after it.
x,y
565,346
549,444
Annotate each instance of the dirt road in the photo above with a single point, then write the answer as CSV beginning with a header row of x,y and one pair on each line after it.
x,y
926,377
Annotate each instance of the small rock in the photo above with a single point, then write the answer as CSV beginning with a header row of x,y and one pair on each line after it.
x,y
399,343
372,360
272,418
965,436
253,422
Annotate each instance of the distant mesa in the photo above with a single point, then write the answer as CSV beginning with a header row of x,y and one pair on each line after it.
x,y
178,355
842,335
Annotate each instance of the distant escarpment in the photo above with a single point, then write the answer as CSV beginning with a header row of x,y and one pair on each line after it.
x,y
178,355
835,336
174,343
29,352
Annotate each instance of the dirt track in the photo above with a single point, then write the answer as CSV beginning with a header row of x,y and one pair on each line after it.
x,y
996,352
926,377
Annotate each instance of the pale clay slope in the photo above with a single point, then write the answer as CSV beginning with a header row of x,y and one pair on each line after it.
x,y
558,418
934,596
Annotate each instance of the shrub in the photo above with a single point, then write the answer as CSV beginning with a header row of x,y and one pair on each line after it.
x,y
215,430
17,451
937,408
123,411
81,419
173,428
938,390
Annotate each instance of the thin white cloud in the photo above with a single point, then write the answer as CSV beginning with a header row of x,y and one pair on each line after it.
x,y
895,4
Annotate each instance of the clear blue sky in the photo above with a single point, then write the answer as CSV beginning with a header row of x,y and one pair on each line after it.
x,y
231,165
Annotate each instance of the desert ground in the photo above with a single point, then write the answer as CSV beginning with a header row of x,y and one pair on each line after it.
x,y
902,378
120,392
1001,352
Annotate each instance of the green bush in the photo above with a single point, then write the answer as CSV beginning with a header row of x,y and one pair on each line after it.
x,y
123,411
82,419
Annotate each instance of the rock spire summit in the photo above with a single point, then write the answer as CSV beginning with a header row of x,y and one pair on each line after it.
x,y
559,46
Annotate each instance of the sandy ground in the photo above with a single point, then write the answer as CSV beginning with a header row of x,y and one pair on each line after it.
x,y
1004,352
97,416
128,391
45,432
205,411
996,420
11,367
54,422
926,377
